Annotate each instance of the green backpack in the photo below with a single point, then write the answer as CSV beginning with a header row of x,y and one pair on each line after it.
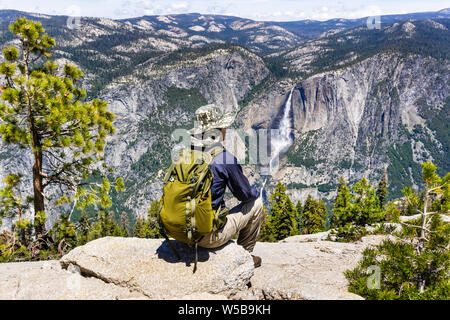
x,y
186,213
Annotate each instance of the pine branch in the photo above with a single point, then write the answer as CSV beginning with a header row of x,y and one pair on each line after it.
x,y
435,188
37,58
418,227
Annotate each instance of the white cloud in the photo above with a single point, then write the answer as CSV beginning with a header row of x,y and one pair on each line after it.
x,y
179,6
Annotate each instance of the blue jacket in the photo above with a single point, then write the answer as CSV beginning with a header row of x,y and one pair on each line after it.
x,y
228,173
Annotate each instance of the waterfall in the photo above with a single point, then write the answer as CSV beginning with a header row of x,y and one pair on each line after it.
x,y
282,140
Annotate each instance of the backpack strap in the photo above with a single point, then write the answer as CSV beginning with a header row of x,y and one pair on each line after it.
x,y
163,233
196,256
190,219
212,154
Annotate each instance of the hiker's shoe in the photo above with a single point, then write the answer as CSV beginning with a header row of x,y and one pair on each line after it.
x,y
256,261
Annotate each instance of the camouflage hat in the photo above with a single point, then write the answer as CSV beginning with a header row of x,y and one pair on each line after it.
x,y
211,117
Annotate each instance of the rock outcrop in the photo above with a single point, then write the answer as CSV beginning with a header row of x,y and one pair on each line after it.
x,y
302,267
148,266
46,280
307,268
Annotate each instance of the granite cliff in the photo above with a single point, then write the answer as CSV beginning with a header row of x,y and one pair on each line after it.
x,y
363,100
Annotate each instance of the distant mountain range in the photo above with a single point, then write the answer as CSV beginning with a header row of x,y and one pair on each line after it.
x,y
310,29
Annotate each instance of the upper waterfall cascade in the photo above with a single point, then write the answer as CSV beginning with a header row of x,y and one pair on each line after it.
x,y
281,139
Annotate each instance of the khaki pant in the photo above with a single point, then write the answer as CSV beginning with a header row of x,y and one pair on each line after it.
x,y
244,219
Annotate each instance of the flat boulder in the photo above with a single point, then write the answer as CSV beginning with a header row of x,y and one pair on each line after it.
x,y
46,280
306,268
149,267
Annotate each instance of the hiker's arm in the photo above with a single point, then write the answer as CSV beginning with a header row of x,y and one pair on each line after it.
x,y
239,185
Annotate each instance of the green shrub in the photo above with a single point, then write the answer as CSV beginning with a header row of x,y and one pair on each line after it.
x,y
416,264
354,209
402,268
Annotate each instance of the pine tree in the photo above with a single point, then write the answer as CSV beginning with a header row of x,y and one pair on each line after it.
x,y
434,186
299,214
23,228
416,264
83,229
342,182
12,204
299,208
105,226
412,203
64,235
44,110
314,216
153,213
365,207
342,208
266,232
382,189
282,222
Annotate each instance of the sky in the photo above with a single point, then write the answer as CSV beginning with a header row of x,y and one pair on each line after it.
x,y
262,10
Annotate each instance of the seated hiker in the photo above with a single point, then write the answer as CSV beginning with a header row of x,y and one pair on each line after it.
x,y
244,219
192,208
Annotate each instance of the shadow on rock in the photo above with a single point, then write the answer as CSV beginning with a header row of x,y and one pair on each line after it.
x,y
187,254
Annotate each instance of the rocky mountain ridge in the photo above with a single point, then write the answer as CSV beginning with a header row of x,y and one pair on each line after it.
x,y
363,100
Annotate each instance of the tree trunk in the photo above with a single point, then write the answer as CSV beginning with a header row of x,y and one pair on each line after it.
x,y
421,244
424,223
39,205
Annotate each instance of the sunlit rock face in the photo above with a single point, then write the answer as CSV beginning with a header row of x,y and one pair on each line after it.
x,y
353,121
